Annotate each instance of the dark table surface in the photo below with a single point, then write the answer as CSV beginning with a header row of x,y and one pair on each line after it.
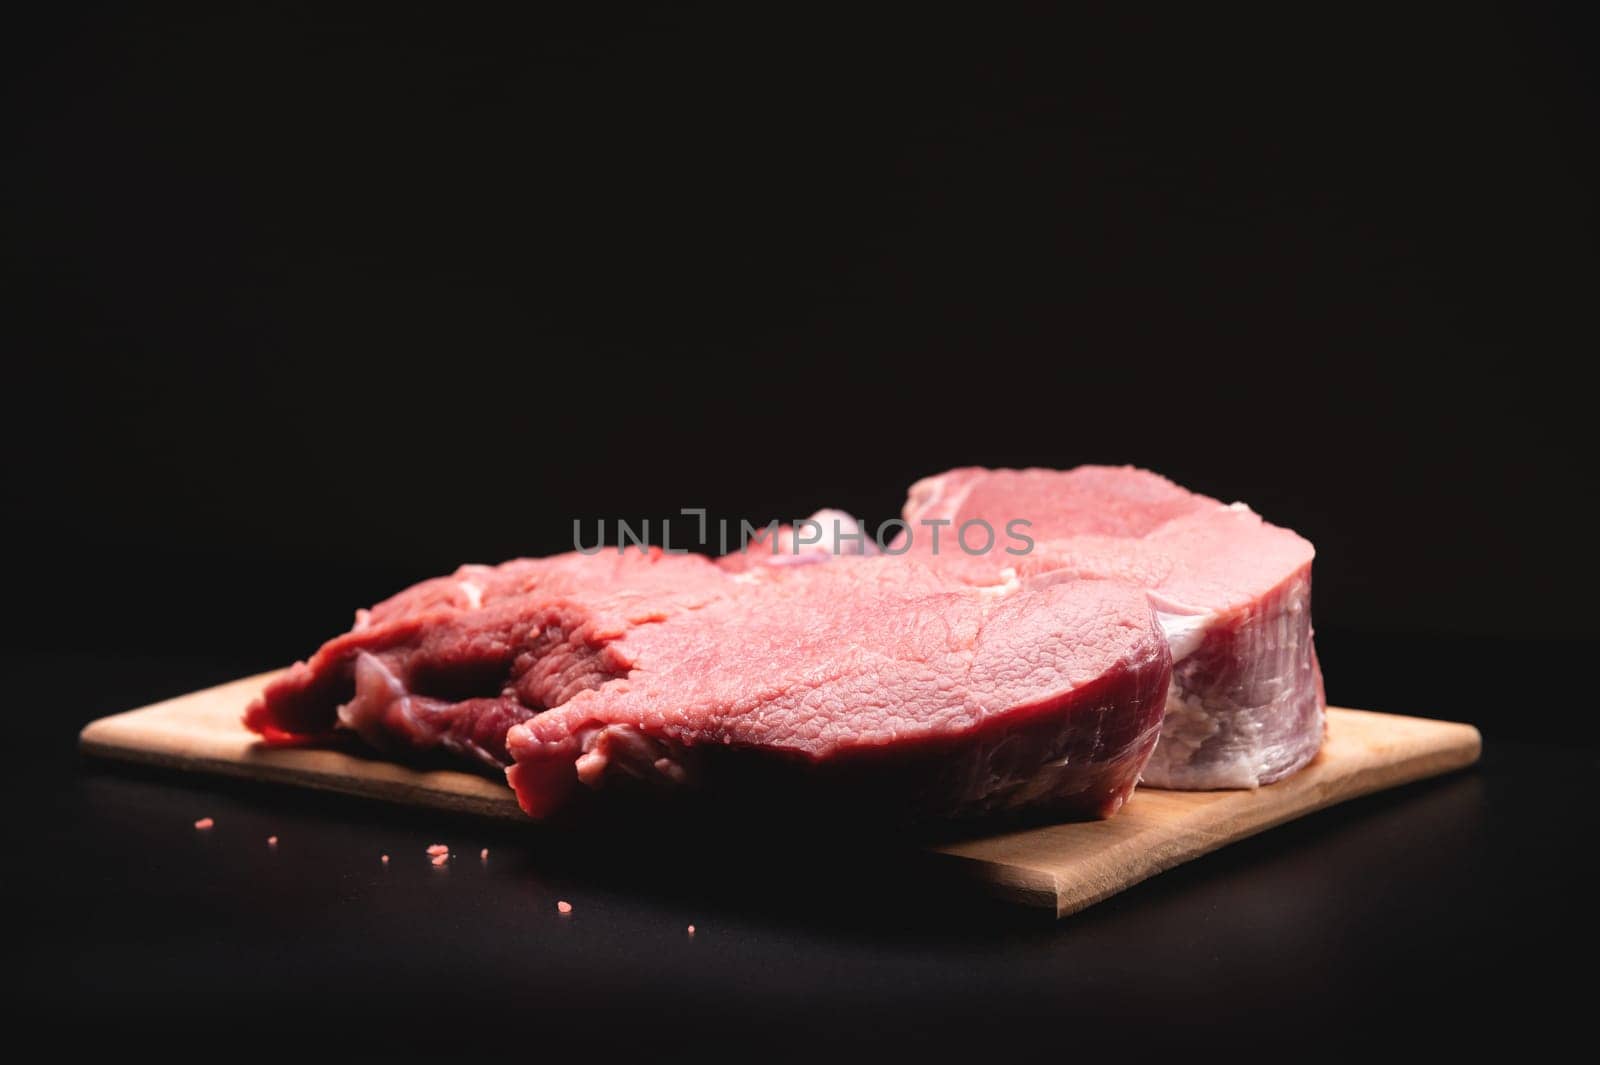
x,y
1452,907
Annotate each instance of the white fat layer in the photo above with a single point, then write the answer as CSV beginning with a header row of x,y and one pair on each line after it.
x,y
1009,583
1184,632
842,534
473,593
376,687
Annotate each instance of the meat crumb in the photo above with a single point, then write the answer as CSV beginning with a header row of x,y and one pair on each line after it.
x,y
438,849
272,841
384,858
483,855
440,859
564,906
691,930
204,823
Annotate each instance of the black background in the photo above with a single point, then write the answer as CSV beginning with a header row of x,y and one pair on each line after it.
x,y
301,305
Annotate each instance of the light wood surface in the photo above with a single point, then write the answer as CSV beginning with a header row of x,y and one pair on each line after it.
x,y
1067,866
1072,866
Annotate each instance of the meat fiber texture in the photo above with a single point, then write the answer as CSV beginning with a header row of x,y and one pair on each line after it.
x,y
877,680
1231,593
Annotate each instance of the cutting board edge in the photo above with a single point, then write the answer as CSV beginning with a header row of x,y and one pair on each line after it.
x,y
1424,765
1424,748
389,792
1035,883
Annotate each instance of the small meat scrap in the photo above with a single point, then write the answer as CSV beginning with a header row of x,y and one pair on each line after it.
x,y
440,859
384,858
272,841
438,849
483,855
564,906
204,823
691,931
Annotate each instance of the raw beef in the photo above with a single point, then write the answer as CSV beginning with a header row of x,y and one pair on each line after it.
x,y
1231,593
876,681
454,662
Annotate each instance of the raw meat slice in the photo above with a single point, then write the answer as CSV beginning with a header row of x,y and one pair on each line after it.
x,y
885,679
455,661
1231,593
868,680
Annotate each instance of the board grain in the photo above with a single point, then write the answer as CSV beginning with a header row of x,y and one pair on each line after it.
x,y
1066,867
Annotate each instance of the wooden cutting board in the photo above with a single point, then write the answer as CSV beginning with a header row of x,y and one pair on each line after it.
x,y
1067,866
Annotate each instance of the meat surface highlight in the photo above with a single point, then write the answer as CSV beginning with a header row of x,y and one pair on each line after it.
x,y
1231,593
873,679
